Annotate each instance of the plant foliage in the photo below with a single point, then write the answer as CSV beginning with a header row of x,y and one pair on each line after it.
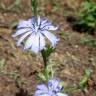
x,y
86,21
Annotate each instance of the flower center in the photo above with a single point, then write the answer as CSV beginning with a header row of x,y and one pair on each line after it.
x,y
37,28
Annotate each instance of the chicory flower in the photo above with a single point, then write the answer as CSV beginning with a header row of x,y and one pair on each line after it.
x,y
34,31
52,89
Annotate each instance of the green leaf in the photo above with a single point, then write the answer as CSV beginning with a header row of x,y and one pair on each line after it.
x,y
40,76
2,63
16,4
88,72
2,6
13,24
87,5
83,81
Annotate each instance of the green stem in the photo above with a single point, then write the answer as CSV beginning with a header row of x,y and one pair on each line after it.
x,y
45,59
46,72
34,5
72,89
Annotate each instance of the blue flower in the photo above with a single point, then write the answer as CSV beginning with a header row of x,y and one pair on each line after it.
x,y
35,33
52,89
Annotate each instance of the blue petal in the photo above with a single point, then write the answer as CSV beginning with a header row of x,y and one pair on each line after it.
x,y
61,94
50,27
53,83
43,26
24,23
47,25
45,95
35,43
41,90
52,38
42,41
38,43
44,20
59,88
22,38
20,31
39,21
28,43
42,87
